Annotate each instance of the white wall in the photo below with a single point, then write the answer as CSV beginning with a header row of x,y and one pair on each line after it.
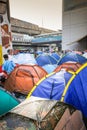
x,y
74,28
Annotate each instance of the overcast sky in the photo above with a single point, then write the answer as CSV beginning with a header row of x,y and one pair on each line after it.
x,y
45,13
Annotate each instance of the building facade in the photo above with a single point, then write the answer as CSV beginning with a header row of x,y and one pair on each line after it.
x,y
74,34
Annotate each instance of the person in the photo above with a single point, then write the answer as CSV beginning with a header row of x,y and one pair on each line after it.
x,y
8,65
10,54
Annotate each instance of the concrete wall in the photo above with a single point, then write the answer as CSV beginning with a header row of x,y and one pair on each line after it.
x,y
74,28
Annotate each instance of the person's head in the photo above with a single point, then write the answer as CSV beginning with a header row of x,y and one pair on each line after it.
x,y
10,51
5,56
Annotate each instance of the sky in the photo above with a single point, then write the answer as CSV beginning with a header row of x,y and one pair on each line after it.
x,y
44,13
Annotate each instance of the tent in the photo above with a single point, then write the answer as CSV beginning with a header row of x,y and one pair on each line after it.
x,y
71,89
24,58
73,66
71,56
55,55
49,68
38,114
7,101
45,59
75,92
85,55
23,78
51,86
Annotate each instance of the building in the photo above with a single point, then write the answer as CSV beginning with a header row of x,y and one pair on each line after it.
x,y
26,35
74,34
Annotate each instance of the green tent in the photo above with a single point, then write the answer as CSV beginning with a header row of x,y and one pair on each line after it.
x,y
7,101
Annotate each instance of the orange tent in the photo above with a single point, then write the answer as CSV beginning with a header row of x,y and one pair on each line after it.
x,y
23,78
73,66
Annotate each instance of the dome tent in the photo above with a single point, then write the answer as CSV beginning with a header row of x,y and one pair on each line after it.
x,y
55,55
49,68
23,78
71,56
7,101
70,66
45,59
74,92
24,58
51,86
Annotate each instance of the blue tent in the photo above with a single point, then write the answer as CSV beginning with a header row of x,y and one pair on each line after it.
x,y
45,59
75,92
55,55
69,88
49,68
51,86
7,101
71,56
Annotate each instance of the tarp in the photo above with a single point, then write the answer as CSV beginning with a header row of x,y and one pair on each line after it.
x,y
75,92
7,101
71,56
34,107
23,78
45,59
16,120
52,86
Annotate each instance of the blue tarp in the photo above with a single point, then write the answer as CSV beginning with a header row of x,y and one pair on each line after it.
x,y
45,59
71,56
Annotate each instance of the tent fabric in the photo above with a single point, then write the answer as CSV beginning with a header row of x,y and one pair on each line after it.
x,y
51,87
55,55
45,59
24,58
85,55
69,66
34,107
7,101
71,56
75,92
49,68
23,78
